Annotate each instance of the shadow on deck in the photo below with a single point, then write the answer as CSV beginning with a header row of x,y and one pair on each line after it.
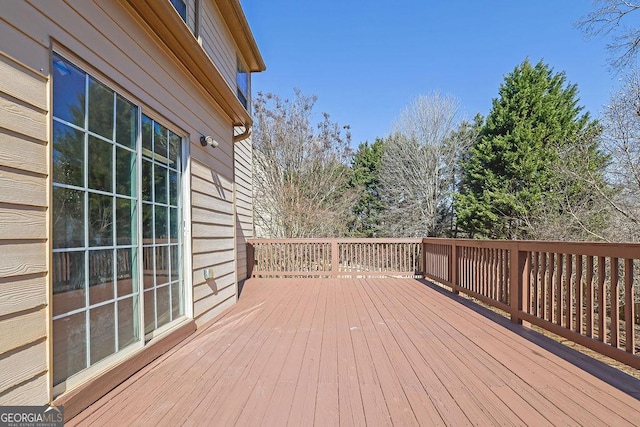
x,y
367,351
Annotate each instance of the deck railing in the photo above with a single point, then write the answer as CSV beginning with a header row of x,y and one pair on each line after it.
x,y
335,257
586,292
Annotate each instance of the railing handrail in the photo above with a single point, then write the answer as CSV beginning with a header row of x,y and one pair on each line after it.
x,y
336,239
619,250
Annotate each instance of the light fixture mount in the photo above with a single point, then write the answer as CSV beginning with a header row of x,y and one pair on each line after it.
x,y
207,140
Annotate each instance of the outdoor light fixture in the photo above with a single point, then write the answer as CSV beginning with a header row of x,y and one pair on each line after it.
x,y
208,140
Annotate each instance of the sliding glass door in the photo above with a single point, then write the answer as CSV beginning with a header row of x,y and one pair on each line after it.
x,y
116,214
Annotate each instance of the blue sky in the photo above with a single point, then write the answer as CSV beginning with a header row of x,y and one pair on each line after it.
x,y
366,60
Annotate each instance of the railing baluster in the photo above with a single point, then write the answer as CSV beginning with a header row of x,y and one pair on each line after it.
x,y
602,303
559,289
534,297
589,297
615,302
543,286
629,307
552,290
579,296
568,292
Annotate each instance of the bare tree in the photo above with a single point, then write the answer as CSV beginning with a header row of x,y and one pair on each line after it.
x,y
614,196
415,162
300,170
622,141
608,20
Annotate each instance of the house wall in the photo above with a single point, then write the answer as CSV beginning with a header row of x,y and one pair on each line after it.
x,y
106,40
23,232
217,41
192,6
244,203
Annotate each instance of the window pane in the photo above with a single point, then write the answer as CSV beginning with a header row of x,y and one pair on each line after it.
x,y
160,179
163,305
125,222
173,188
174,225
68,282
103,332
68,91
162,265
125,172
174,150
242,80
100,220
127,322
126,122
68,155
147,131
148,265
161,224
160,146
181,8
149,311
68,218
175,262
100,276
147,180
176,300
125,266
147,223
100,109
69,346
100,160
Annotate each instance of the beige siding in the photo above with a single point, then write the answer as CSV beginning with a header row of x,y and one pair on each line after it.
x,y
23,233
244,203
105,40
191,14
212,232
217,41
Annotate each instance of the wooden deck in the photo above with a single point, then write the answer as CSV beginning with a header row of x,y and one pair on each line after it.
x,y
367,351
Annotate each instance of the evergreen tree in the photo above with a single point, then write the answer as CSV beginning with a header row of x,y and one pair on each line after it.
x,y
366,221
512,175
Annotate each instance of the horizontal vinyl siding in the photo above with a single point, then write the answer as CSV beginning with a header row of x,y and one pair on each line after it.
x,y
217,41
114,48
244,203
213,240
191,15
23,231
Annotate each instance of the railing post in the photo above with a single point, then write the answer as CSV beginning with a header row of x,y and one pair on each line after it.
x,y
453,268
334,258
519,281
424,259
250,259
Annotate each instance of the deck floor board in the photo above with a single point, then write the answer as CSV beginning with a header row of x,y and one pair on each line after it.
x,y
366,352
